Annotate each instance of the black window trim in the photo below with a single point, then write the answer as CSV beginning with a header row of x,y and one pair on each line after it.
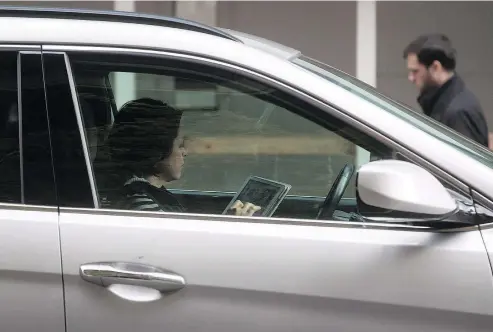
x,y
19,116
82,132
24,49
285,87
80,124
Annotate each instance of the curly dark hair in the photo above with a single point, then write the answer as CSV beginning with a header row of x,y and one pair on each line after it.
x,y
142,134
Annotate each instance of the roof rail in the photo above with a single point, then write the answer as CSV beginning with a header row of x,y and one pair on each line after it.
x,y
114,16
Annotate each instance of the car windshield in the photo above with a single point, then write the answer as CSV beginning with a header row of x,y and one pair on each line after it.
x,y
417,119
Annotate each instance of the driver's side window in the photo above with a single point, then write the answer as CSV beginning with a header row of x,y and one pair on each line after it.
x,y
181,137
248,135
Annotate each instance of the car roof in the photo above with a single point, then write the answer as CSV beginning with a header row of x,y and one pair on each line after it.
x,y
259,43
263,44
111,16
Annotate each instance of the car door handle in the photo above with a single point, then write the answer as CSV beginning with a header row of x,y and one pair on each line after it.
x,y
108,273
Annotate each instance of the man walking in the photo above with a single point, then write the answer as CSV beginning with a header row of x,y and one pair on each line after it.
x,y
431,62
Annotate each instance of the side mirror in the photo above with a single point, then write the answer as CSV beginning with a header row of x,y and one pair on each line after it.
x,y
402,190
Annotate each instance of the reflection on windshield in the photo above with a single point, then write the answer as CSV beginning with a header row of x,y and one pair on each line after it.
x,y
417,119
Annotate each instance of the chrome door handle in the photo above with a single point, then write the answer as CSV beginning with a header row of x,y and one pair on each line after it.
x,y
136,274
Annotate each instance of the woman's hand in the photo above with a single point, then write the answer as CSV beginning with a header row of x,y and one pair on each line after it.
x,y
247,209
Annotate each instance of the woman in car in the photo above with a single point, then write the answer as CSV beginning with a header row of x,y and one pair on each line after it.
x,y
143,153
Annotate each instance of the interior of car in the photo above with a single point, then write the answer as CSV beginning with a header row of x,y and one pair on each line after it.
x,y
97,100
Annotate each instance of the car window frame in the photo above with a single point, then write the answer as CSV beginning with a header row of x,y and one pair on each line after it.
x,y
251,91
26,49
75,107
331,110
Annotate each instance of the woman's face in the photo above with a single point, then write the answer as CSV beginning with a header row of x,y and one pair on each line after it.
x,y
170,168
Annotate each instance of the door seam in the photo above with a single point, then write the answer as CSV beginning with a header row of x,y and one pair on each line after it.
x,y
487,252
62,275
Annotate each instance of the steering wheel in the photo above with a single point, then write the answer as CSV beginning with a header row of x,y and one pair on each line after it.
x,y
334,196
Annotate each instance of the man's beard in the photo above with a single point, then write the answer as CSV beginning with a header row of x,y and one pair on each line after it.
x,y
427,94
428,85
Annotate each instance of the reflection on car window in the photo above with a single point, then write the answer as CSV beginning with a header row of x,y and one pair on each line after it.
x,y
10,178
181,137
417,119
26,173
37,168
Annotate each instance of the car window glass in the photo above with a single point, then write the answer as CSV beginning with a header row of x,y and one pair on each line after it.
x,y
10,176
25,164
180,137
232,134
37,170
418,119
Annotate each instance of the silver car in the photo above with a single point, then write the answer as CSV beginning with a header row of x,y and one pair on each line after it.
x,y
364,215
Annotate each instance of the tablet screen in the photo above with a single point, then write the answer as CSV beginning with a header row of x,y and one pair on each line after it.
x,y
262,192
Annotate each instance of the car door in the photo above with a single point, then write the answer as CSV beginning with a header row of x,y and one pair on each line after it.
x,y
484,208
31,288
148,271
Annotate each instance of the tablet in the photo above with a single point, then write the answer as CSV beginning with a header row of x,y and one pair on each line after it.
x,y
267,194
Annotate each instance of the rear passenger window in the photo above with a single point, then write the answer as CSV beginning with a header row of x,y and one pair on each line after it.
x,y
10,175
37,168
26,173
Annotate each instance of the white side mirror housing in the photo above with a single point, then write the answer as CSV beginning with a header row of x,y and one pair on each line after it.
x,y
403,187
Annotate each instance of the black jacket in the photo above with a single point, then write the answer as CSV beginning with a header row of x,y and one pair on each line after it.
x,y
456,107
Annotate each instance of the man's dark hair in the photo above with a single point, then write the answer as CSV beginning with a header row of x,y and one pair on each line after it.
x,y
433,47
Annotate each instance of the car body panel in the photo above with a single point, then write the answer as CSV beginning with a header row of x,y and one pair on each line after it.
x,y
245,274
31,285
487,232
